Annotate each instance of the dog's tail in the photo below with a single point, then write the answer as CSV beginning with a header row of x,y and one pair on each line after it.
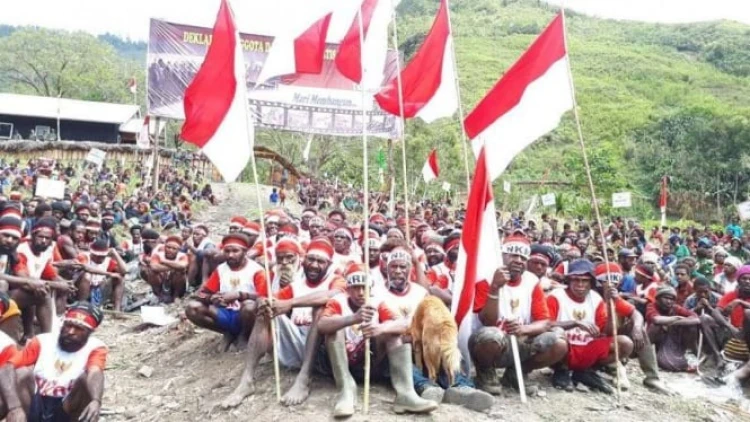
x,y
450,354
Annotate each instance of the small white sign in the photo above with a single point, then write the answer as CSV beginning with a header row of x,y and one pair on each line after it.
x,y
96,156
743,209
548,199
446,186
48,188
155,315
506,186
621,200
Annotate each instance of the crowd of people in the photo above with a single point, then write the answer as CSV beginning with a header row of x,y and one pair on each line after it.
x,y
560,291
61,260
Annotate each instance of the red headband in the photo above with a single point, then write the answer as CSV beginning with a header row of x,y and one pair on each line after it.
x,y
234,241
80,318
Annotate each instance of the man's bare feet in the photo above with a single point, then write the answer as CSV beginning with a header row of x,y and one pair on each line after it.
x,y
297,394
238,395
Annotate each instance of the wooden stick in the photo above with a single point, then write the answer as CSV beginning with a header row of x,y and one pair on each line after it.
x,y
269,285
365,208
402,124
519,370
464,139
612,311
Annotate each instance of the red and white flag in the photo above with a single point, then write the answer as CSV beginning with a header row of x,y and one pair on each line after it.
x,y
527,102
664,194
301,44
428,81
216,116
478,254
366,65
133,85
431,170
144,141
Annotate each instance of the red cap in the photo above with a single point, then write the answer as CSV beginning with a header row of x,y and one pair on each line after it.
x,y
355,275
237,221
614,269
288,245
517,245
251,228
321,247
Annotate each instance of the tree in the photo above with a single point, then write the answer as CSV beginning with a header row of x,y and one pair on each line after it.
x,y
57,63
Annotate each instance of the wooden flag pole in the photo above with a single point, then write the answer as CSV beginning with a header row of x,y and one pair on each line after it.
x,y
402,125
365,207
612,311
464,138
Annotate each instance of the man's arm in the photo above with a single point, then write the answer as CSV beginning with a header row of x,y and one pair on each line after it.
x,y
329,324
122,267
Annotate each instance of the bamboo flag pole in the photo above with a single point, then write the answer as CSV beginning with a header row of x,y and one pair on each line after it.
x,y
464,139
402,121
612,311
366,205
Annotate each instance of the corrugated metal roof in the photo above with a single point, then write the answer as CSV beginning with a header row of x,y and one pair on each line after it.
x,y
135,125
49,107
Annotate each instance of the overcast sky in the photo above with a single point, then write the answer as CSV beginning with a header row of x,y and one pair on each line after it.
x,y
131,18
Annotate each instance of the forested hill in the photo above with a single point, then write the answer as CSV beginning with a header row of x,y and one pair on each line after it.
x,y
654,100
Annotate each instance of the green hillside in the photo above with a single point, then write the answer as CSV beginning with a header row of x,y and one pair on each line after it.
x,y
638,86
654,100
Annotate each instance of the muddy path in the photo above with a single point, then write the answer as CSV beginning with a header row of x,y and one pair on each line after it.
x,y
189,377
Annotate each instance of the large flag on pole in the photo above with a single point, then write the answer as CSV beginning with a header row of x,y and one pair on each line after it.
x,y
366,65
527,102
478,254
431,170
216,118
428,81
300,47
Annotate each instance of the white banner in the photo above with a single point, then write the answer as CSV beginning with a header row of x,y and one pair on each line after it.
x,y
48,188
621,200
506,186
96,156
446,186
548,199
743,209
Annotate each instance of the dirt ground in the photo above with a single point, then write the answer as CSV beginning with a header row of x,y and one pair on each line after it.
x,y
190,376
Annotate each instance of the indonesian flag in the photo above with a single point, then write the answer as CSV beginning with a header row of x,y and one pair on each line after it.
x,y
301,45
431,171
527,102
428,81
664,193
478,254
216,119
350,59
133,85
143,137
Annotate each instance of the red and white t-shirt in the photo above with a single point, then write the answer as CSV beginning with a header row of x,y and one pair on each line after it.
x,y
303,316
134,248
339,306
403,304
440,276
40,266
563,307
109,265
523,300
250,278
55,370
158,256
7,348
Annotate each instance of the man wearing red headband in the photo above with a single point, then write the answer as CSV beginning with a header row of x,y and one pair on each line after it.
x,y
236,224
224,302
38,255
439,274
287,268
168,270
63,372
513,302
296,309
105,265
198,247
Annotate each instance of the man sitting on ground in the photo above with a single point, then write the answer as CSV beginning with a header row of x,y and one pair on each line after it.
x,y
61,374
105,265
585,317
735,305
296,309
513,303
168,269
672,329
225,302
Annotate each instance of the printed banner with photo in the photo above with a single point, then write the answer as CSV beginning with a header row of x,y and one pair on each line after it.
x,y
326,104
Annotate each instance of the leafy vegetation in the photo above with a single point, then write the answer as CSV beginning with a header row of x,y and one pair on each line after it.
x,y
654,100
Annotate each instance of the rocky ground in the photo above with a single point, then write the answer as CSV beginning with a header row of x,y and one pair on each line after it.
x,y
176,373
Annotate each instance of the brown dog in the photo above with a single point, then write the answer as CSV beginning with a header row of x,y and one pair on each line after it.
x,y
435,339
